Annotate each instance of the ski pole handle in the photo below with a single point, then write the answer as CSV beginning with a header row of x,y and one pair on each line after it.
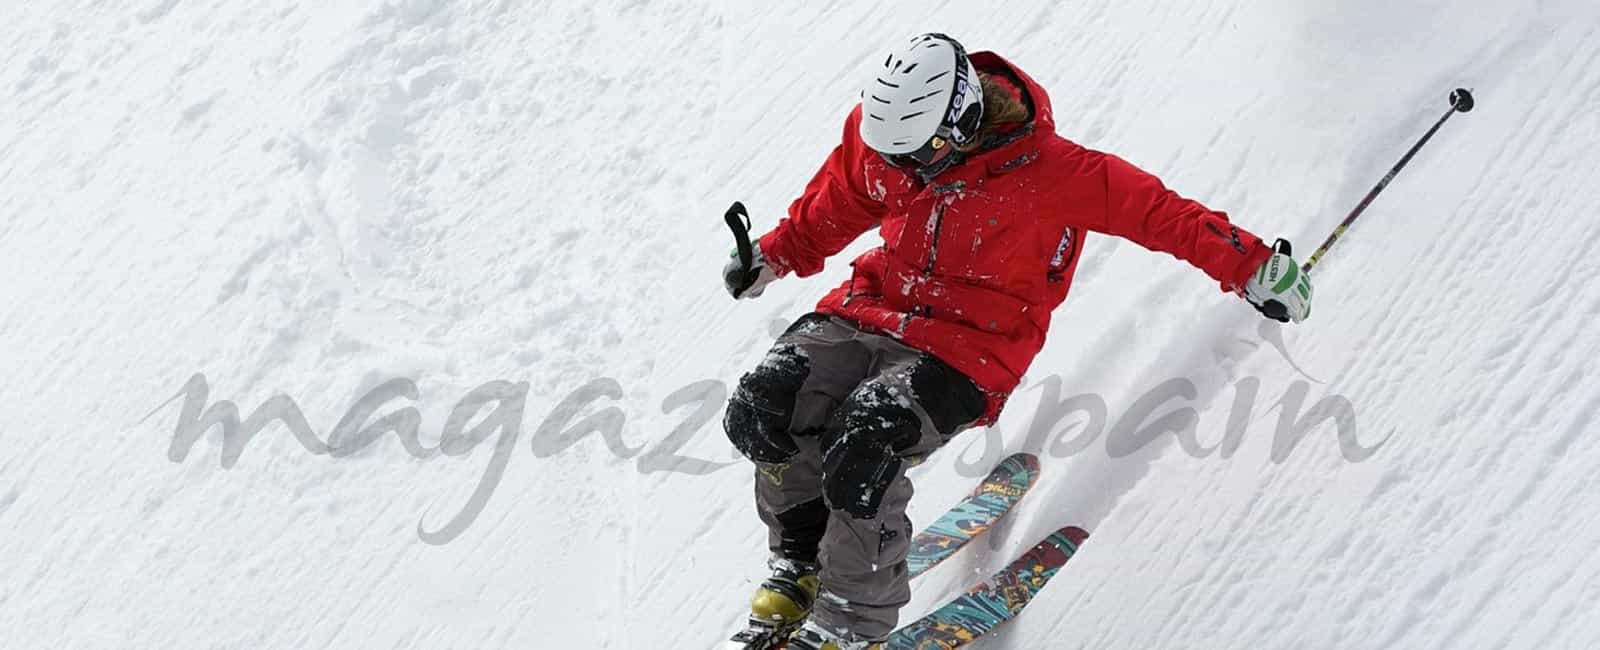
x,y
738,221
1460,102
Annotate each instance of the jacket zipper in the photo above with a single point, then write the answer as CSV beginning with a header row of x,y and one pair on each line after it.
x,y
850,288
927,272
933,248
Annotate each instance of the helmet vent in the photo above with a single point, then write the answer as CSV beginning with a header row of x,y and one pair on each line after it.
x,y
918,99
880,80
875,117
911,67
882,100
907,117
936,77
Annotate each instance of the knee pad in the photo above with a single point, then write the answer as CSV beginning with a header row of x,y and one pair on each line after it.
x,y
861,457
759,413
950,399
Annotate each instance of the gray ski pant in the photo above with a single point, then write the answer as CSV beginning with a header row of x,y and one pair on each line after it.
x,y
832,418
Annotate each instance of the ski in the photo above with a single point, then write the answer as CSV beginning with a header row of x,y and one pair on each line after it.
x,y
994,601
975,514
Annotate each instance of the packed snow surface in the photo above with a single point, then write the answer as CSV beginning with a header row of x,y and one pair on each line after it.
x,y
381,208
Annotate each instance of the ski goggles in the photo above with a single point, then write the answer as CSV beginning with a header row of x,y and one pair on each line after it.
x,y
939,146
922,157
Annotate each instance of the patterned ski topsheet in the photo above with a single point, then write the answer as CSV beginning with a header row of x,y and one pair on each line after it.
x,y
994,601
976,514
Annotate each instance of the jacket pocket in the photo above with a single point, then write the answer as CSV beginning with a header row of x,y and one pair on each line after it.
x,y
1008,165
974,306
1066,253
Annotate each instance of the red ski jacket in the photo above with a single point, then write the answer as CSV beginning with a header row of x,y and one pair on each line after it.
x,y
973,263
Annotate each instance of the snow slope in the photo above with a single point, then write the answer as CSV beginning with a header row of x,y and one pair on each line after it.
x,y
309,200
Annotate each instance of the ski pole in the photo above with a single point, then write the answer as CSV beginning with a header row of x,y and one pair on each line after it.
x,y
1460,102
738,221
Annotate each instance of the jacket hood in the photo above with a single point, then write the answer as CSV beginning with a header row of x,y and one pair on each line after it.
x,y
1044,118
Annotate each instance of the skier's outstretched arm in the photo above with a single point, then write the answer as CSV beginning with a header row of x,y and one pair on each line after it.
x,y
1140,208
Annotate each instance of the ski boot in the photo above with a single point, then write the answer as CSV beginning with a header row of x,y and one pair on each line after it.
x,y
812,637
779,606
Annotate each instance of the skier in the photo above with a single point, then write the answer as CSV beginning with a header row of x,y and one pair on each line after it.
x,y
983,210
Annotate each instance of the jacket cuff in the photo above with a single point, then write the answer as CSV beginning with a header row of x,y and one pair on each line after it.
x,y
1247,267
772,250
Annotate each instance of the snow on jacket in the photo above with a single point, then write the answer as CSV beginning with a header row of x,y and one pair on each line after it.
x,y
973,263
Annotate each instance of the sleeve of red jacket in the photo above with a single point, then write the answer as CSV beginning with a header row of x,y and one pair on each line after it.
x,y
833,211
1141,209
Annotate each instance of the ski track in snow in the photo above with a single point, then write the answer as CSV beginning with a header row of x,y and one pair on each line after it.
x,y
310,200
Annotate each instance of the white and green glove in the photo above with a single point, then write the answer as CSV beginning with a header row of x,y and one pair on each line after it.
x,y
1279,289
748,283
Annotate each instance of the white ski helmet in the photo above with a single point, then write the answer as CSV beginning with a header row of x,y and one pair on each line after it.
x,y
926,95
